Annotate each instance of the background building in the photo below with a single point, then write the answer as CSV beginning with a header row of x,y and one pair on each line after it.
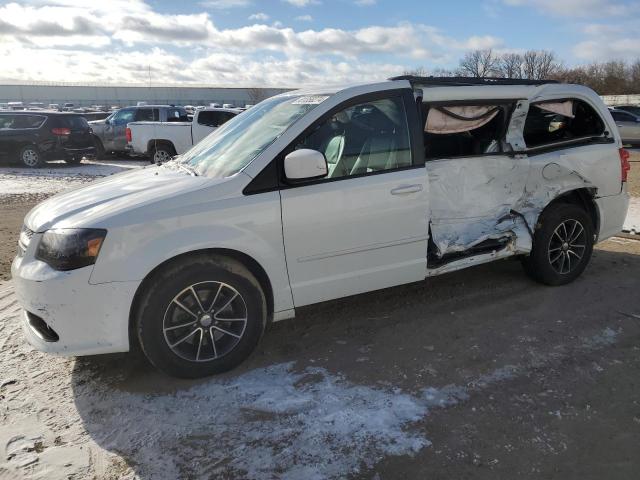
x,y
123,95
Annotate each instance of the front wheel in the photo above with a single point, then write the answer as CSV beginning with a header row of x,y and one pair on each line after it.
x,y
562,245
201,316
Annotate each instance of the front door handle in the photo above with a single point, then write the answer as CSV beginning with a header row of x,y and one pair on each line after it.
x,y
405,189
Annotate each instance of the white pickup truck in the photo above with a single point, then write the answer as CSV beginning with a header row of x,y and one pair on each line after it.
x,y
160,141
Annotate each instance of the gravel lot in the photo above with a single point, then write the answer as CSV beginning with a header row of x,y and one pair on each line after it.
x,y
477,374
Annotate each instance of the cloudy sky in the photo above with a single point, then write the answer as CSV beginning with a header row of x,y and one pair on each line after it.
x,y
294,42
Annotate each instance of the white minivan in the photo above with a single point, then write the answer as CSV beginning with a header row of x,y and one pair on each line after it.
x,y
315,195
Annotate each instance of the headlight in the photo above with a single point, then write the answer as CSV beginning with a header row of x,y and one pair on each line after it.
x,y
70,248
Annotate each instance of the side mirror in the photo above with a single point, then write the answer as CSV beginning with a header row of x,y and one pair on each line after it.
x,y
305,164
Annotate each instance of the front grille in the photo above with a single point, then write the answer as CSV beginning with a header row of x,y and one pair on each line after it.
x,y
24,239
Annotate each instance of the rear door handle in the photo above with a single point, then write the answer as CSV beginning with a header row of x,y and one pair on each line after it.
x,y
405,189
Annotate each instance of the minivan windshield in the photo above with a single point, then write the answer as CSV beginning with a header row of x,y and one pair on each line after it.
x,y
235,144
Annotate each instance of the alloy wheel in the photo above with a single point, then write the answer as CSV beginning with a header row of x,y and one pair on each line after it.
x,y
30,157
205,321
567,246
161,156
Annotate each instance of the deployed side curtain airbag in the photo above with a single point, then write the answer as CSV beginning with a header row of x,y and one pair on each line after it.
x,y
561,108
442,120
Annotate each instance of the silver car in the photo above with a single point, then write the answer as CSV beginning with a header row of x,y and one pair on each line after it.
x,y
628,125
110,133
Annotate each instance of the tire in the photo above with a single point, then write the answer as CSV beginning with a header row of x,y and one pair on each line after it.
x,y
30,157
161,153
553,260
101,154
183,340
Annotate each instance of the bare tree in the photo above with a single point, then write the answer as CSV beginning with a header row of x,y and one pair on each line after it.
x,y
479,63
416,72
539,64
634,76
443,72
510,65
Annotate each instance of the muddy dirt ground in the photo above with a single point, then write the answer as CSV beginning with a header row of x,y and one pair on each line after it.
x,y
477,374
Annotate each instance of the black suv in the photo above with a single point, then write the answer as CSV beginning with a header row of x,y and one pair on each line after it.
x,y
32,138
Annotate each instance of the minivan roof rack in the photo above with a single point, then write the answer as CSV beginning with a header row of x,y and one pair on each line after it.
x,y
469,81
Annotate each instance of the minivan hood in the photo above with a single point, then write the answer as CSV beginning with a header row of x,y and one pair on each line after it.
x,y
88,206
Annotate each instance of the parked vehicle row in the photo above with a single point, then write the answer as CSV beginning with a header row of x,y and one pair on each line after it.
x,y
628,122
316,195
160,141
32,138
110,133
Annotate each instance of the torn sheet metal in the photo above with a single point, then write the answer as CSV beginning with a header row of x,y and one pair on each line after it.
x,y
516,126
472,199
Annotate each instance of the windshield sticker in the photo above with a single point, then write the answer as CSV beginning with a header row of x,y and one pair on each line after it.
x,y
310,100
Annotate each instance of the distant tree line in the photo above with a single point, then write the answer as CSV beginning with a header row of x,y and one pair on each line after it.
x,y
615,77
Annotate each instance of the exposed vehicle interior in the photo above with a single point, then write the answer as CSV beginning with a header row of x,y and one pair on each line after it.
x,y
365,138
463,130
574,120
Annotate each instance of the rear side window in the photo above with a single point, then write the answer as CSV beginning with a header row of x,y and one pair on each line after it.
x,y
147,115
177,115
18,122
623,117
73,122
560,121
464,130
6,121
213,118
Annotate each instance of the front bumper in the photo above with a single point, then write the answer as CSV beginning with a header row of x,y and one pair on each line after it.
x,y
86,319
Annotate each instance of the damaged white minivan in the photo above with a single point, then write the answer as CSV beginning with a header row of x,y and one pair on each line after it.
x,y
316,195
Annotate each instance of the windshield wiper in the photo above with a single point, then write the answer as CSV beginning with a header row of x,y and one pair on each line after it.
x,y
173,163
190,170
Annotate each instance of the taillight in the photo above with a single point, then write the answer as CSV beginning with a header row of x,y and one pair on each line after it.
x,y
61,132
127,133
625,166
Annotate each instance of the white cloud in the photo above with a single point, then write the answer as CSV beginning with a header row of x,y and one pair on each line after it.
x,y
365,3
576,8
304,18
625,47
302,3
116,41
224,4
259,16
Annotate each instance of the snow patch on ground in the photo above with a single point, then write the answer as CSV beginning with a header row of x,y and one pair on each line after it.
x,y
632,223
267,423
58,176
63,419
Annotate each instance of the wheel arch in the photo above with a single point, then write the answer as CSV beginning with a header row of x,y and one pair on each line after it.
x,y
97,140
151,144
582,197
246,260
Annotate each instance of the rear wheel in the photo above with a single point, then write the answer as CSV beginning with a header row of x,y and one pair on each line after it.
x,y
161,153
30,157
200,317
562,245
101,154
